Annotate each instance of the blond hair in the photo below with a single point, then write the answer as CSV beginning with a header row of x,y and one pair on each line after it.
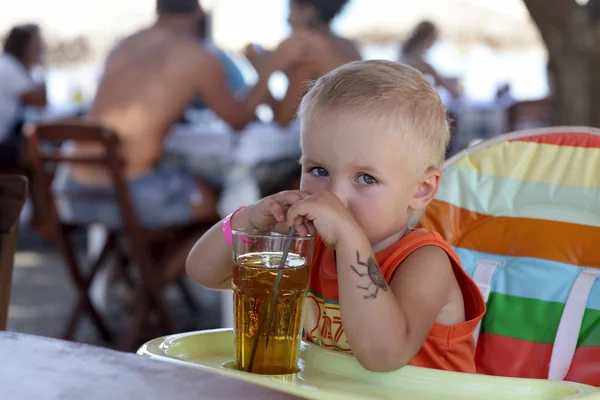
x,y
389,93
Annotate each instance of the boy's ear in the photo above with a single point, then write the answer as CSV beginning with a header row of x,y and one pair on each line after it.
x,y
427,188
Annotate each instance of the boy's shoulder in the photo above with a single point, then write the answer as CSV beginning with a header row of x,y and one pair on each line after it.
x,y
420,233
413,240
390,258
417,238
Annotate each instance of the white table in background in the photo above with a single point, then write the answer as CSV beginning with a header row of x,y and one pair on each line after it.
x,y
259,142
212,150
49,113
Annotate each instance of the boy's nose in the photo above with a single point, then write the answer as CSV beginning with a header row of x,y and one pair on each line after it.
x,y
339,191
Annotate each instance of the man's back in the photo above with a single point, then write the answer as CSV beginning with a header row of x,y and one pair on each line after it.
x,y
149,80
145,87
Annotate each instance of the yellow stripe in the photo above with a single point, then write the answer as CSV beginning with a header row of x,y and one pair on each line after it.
x,y
533,162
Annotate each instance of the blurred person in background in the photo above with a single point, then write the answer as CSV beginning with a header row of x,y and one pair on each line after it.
x,y
149,79
235,79
22,51
322,51
414,48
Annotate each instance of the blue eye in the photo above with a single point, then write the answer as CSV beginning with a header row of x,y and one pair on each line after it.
x,y
366,179
318,171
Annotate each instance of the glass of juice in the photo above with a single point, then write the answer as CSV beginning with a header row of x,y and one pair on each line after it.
x,y
256,263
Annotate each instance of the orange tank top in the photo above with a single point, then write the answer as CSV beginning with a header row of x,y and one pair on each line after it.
x,y
447,347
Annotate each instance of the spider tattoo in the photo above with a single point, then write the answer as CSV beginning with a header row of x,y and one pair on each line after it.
x,y
374,274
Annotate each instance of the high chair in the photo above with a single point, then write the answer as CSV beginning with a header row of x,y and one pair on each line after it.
x,y
522,211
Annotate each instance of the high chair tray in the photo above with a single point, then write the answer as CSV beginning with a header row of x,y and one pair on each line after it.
x,y
332,375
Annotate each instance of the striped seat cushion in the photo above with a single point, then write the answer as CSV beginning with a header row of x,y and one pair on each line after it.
x,y
523,212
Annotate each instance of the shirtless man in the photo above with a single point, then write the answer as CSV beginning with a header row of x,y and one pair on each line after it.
x,y
148,81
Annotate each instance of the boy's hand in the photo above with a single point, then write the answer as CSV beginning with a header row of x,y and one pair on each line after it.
x,y
325,213
268,214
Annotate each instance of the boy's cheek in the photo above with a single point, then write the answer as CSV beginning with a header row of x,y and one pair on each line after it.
x,y
370,215
310,185
362,213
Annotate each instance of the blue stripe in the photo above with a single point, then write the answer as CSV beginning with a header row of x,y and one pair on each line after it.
x,y
531,278
497,196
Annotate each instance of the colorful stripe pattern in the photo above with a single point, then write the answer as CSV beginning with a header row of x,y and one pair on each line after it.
x,y
529,201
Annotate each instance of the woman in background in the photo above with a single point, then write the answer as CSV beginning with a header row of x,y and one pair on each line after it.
x,y
319,51
22,51
412,52
235,79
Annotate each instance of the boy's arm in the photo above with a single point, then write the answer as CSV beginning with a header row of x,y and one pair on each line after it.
x,y
386,330
210,262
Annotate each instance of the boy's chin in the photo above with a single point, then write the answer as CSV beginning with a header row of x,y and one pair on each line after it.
x,y
382,243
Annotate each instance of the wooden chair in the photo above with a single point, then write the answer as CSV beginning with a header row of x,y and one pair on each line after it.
x,y
151,252
39,215
529,114
13,193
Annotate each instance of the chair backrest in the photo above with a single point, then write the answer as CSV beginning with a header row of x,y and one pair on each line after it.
x,y
13,193
110,159
529,114
523,212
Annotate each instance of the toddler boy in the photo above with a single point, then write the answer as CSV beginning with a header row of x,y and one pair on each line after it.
x,y
373,135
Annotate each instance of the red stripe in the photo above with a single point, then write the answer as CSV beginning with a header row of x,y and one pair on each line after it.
x,y
505,356
572,139
585,367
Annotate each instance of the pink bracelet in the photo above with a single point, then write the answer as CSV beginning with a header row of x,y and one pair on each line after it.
x,y
227,231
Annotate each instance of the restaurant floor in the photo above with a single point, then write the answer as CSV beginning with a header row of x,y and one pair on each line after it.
x,y
43,296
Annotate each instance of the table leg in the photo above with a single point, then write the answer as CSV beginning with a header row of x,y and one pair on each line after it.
x,y
97,236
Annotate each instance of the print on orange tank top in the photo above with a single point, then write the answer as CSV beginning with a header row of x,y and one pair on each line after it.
x,y
447,347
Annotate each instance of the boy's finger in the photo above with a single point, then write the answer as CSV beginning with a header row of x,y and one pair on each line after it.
x,y
311,228
275,209
301,227
298,210
281,228
292,215
307,225
290,197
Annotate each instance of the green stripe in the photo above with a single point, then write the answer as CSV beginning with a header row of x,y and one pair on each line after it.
x,y
590,329
522,318
534,320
